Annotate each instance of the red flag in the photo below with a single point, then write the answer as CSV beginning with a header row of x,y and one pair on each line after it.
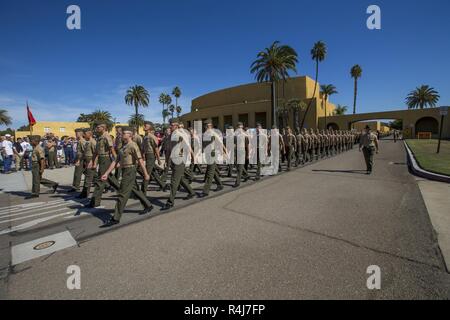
x,y
31,119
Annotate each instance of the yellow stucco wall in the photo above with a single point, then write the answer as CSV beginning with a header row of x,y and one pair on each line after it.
x,y
60,129
409,117
250,101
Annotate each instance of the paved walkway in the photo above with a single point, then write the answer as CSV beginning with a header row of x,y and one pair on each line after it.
x,y
310,233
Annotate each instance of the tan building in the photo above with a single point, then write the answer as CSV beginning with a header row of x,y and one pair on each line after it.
x,y
250,103
374,126
59,129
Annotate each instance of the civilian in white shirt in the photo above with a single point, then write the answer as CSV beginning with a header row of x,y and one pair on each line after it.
x,y
8,154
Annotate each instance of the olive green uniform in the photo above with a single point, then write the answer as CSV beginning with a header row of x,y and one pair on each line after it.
x,y
149,147
117,146
368,147
52,154
241,172
36,157
290,143
78,172
104,143
128,158
212,173
177,177
89,149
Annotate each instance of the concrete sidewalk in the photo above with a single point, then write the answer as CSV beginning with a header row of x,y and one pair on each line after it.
x,y
437,199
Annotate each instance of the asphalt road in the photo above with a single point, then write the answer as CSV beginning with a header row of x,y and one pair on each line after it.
x,y
310,233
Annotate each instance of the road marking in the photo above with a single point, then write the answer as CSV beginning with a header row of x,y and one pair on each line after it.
x,y
36,214
41,247
14,214
29,206
32,223
20,206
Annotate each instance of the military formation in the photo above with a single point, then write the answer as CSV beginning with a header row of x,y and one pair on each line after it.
x,y
128,162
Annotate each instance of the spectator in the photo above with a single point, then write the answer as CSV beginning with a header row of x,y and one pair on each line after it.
x,y
18,154
68,151
28,149
8,154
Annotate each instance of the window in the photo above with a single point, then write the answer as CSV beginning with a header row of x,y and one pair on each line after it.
x,y
244,119
46,129
227,121
62,129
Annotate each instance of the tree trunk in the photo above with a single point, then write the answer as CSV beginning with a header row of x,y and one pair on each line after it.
x,y
354,96
314,93
273,103
136,119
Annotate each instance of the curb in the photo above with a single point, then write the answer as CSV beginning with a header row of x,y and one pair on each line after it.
x,y
418,171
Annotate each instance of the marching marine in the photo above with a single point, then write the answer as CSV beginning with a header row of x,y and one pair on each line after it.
x,y
128,159
37,169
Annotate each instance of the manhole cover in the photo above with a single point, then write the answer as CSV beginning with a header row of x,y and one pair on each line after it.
x,y
44,245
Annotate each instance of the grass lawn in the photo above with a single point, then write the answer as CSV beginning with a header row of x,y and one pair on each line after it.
x,y
428,159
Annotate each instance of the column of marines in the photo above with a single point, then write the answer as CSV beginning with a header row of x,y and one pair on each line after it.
x,y
109,163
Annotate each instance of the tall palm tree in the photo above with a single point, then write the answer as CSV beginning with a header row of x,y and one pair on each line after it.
x,y
171,110
340,110
273,64
136,120
422,97
327,90
176,92
137,96
356,73
178,110
318,54
162,100
5,119
165,113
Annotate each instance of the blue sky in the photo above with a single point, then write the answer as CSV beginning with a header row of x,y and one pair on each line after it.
x,y
203,45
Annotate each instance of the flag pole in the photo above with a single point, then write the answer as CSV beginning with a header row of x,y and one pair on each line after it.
x,y
29,124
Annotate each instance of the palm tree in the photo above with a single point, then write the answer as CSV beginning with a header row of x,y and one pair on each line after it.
x,y
84,118
137,96
318,54
162,100
165,114
5,119
101,115
340,110
171,110
178,110
136,120
422,97
297,106
273,64
356,73
327,90
176,92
